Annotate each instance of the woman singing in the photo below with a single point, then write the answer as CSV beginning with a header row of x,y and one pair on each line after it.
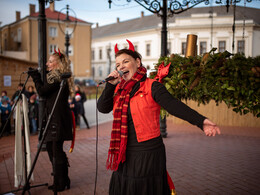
x,y
137,153
60,128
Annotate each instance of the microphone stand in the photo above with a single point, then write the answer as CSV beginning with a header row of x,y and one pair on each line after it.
x,y
24,140
45,132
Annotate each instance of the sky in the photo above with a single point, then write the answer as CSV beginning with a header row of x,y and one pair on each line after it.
x,y
93,11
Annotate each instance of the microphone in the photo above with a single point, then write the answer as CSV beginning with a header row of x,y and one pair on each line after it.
x,y
32,70
65,75
121,73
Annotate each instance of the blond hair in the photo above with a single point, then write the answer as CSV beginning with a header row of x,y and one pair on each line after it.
x,y
63,66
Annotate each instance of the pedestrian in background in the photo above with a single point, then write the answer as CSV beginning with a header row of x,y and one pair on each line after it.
x,y
33,114
5,110
15,95
80,108
31,91
71,102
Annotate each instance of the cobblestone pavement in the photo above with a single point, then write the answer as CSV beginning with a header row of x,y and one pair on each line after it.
x,y
226,164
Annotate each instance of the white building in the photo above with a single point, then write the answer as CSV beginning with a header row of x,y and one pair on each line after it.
x,y
213,30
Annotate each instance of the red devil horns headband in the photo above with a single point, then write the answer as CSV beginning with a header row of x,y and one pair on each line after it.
x,y
131,46
57,52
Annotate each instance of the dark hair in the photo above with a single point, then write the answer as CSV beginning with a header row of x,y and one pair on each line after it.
x,y
4,92
134,54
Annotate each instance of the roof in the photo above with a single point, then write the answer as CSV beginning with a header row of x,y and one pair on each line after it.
x,y
152,21
50,15
55,15
146,22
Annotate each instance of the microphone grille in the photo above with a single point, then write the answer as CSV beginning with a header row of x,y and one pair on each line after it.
x,y
121,73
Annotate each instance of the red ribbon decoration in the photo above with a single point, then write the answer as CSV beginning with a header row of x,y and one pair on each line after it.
x,y
74,132
162,72
170,183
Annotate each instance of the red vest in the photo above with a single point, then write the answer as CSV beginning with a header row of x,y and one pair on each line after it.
x,y
145,112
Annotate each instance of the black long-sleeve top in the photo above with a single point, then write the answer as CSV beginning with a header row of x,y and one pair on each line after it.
x,y
163,98
61,120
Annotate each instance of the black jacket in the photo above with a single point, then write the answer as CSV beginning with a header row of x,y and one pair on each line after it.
x,y
33,110
61,121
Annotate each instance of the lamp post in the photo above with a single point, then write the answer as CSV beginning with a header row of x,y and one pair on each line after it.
x,y
42,58
68,21
165,9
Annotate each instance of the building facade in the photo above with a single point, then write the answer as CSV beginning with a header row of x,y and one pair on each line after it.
x,y
212,25
20,39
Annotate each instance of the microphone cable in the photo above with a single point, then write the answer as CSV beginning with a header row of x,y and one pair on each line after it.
x,y
96,143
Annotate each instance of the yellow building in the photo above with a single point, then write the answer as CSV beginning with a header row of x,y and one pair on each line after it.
x,y
20,39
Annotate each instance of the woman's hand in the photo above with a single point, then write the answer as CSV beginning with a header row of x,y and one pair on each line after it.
x,y
117,77
210,128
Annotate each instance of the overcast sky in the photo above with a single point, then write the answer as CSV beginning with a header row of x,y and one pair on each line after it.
x,y
93,11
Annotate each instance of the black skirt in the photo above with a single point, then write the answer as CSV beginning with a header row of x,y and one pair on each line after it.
x,y
143,173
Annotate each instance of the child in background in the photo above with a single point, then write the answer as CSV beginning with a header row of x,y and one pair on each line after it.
x,y
4,94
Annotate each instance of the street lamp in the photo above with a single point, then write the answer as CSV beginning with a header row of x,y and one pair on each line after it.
x,y
68,21
167,8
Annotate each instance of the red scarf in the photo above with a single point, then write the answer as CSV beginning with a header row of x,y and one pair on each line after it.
x,y
118,142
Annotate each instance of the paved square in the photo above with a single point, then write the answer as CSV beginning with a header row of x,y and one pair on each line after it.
x,y
226,164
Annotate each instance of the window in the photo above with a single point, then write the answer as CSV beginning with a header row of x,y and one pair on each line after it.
x,y
53,31
100,54
108,52
203,47
148,49
5,42
52,47
222,46
183,48
18,38
169,48
241,46
136,48
100,71
93,54
93,71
